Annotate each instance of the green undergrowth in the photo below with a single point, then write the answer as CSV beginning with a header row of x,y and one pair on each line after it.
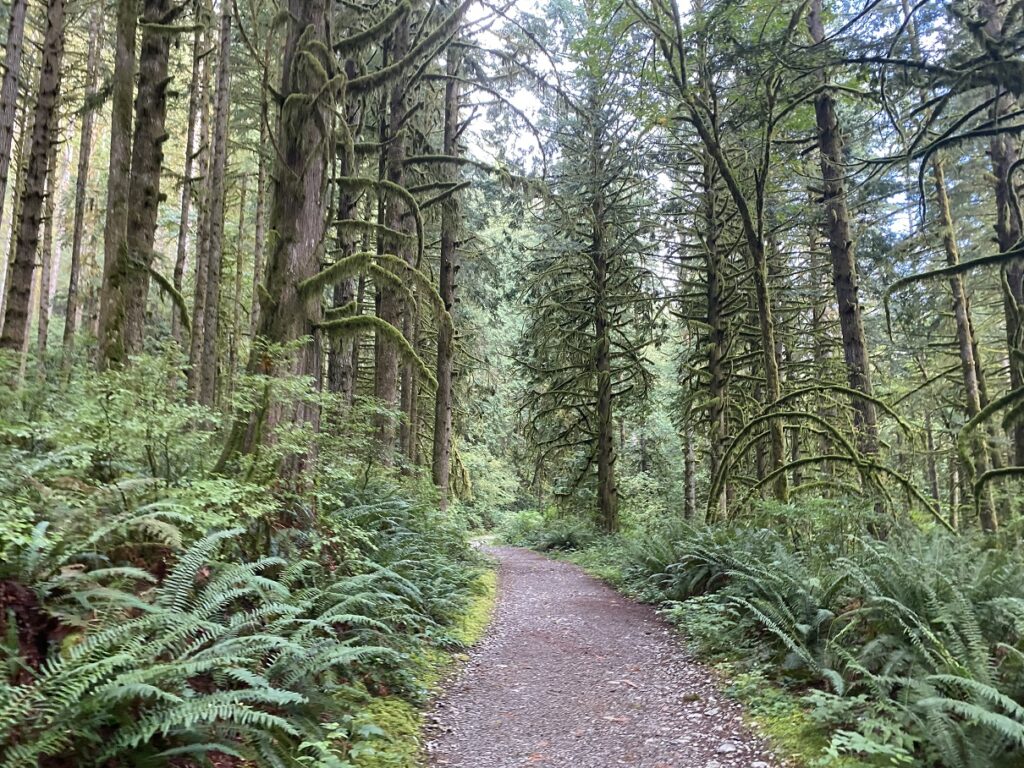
x,y
392,724
156,613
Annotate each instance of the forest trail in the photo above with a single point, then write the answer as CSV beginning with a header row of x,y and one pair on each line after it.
x,y
573,675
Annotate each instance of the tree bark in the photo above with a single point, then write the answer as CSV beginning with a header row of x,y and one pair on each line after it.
x,y
115,228
21,148
187,180
1004,152
340,378
689,476
19,288
195,351
298,218
236,301
81,181
969,366
9,90
46,261
607,489
259,233
718,341
207,390
386,369
440,463
840,243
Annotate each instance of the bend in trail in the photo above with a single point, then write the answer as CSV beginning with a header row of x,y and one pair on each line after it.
x,y
571,674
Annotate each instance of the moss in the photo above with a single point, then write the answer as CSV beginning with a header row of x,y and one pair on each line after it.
x,y
472,625
391,725
780,718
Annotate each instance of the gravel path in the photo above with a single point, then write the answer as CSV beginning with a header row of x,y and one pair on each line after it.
x,y
572,675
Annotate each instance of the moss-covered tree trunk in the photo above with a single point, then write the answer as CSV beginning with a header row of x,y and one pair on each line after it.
x,y
340,374
966,344
9,90
447,270
115,228
187,180
130,278
1004,151
260,225
48,263
81,181
288,313
27,225
841,249
390,298
206,390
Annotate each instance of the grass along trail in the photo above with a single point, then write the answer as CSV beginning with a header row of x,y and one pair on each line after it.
x,y
571,674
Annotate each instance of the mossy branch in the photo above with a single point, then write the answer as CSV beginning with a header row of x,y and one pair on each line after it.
x,y
384,267
850,392
718,481
861,464
442,196
948,271
345,310
349,266
963,437
360,183
361,226
349,327
384,75
179,301
354,43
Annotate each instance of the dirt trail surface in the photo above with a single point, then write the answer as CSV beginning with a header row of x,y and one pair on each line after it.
x,y
572,675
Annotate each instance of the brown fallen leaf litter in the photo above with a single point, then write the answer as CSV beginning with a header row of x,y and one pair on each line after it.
x,y
573,675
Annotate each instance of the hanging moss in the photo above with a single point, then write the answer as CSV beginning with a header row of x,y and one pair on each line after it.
x,y
350,327
179,301
354,43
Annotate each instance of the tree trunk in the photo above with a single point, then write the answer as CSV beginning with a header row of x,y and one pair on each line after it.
x,y
9,90
207,390
46,261
195,351
305,139
840,243
259,234
81,181
21,148
1004,151
689,476
386,369
115,228
129,280
607,491
339,357
19,288
440,463
718,341
236,303
187,180
964,335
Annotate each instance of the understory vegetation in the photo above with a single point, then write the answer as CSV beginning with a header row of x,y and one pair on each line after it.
x,y
151,615
902,651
